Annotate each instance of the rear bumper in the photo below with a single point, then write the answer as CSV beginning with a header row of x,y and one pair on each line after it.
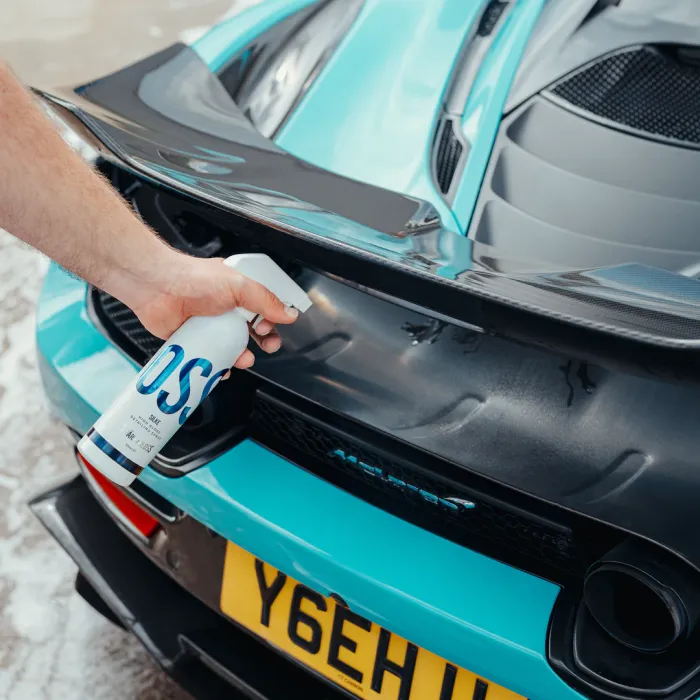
x,y
205,654
472,610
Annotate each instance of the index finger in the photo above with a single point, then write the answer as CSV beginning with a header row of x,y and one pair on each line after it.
x,y
254,297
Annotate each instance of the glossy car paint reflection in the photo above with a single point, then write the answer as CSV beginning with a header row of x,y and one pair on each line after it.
x,y
271,89
269,55
371,114
228,38
484,108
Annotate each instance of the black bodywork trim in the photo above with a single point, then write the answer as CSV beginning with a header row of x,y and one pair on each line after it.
x,y
506,525
572,33
354,228
581,540
615,446
591,668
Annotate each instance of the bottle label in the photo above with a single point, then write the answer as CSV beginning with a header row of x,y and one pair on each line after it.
x,y
167,391
154,377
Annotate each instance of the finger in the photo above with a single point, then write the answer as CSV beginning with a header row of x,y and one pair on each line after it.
x,y
254,297
265,327
226,376
269,343
245,361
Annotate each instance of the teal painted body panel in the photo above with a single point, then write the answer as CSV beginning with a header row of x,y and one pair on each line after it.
x,y
484,109
455,602
473,610
82,371
371,113
223,41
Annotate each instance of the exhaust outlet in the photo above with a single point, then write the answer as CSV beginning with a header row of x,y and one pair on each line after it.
x,y
644,597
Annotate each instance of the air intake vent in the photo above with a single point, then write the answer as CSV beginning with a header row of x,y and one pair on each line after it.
x,y
490,18
120,319
643,90
449,152
415,490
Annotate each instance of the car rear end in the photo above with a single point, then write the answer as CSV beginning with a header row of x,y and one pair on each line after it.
x,y
374,527
404,502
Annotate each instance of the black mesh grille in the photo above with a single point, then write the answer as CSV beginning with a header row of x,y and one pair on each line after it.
x,y
134,338
448,154
414,492
490,18
644,89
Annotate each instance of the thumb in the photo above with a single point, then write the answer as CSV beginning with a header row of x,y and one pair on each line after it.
x,y
257,298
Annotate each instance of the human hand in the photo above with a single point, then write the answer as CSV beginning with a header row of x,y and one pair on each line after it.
x,y
59,205
206,287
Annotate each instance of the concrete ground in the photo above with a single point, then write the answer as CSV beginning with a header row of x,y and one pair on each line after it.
x,y
52,645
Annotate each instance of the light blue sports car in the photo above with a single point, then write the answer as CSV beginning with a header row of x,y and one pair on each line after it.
x,y
472,471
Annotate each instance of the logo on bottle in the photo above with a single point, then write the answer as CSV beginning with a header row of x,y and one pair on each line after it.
x,y
165,402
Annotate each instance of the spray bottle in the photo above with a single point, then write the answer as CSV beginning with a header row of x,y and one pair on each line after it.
x,y
178,378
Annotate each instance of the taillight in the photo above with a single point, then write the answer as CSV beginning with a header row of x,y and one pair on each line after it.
x,y
139,518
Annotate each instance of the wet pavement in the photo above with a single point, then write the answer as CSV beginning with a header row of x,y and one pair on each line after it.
x,y
53,646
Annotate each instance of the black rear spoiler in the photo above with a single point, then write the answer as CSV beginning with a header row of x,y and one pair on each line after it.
x,y
168,119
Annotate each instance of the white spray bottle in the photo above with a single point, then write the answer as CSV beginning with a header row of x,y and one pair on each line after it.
x,y
178,378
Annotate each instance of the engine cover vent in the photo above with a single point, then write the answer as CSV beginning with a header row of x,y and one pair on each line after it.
x,y
645,90
449,152
490,18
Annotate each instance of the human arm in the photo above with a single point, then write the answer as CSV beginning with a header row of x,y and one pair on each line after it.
x,y
52,200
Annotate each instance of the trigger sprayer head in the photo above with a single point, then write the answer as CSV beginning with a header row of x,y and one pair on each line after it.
x,y
267,272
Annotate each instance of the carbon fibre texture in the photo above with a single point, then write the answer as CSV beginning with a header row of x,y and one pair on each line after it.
x,y
644,89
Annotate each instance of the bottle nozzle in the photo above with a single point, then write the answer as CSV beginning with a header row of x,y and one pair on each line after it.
x,y
263,269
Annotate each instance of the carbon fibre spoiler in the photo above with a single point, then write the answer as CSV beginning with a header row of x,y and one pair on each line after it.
x,y
169,119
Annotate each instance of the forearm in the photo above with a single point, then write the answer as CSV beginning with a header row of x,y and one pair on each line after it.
x,y
52,200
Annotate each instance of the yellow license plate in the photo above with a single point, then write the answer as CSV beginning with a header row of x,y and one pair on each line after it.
x,y
349,650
